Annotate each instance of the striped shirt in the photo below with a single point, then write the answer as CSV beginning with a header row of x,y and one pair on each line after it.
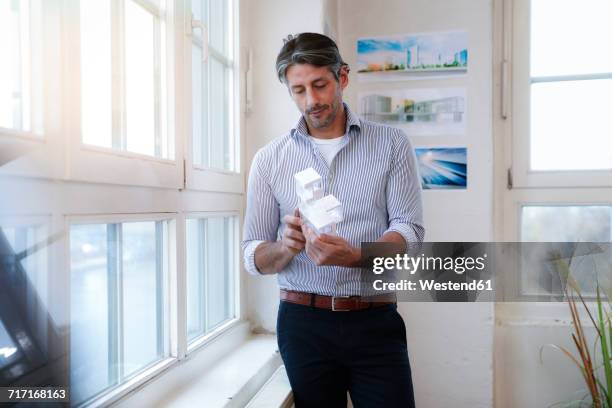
x,y
375,177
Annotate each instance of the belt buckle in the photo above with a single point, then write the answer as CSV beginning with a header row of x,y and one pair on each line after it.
x,y
334,304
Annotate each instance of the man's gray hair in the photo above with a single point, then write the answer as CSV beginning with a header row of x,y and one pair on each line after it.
x,y
309,48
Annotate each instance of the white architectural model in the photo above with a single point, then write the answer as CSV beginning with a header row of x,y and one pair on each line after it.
x,y
320,213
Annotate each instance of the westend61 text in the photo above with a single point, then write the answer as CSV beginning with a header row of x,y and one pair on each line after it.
x,y
431,284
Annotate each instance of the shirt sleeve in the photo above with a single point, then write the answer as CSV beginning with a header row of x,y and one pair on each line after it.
x,y
262,214
404,203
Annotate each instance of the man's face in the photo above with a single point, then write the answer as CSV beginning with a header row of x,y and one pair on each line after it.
x,y
316,93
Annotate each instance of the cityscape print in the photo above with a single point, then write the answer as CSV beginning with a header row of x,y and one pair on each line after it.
x,y
421,112
428,52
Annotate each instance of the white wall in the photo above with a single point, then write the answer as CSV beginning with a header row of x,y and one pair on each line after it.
x,y
521,378
450,344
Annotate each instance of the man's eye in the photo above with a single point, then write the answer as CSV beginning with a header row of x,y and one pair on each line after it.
x,y
301,91
320,86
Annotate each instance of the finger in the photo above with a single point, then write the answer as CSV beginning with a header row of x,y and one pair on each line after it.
x,y
296,235
292,222
331,239
313,253
293,244
308,233
312,237
324,247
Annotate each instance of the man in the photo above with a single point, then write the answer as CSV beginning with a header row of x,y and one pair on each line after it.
x,y
334,333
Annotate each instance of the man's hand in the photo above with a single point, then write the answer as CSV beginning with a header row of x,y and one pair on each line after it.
x,y
272,257
293,238
327,249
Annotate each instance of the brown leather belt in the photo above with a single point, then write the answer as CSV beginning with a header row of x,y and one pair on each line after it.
x,y
337,303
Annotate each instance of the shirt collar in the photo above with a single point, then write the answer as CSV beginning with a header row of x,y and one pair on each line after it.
x,y
351,120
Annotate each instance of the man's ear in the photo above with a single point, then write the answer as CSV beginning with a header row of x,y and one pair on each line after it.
x,y
344,78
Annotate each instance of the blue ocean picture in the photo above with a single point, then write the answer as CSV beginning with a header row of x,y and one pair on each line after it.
x,y
442,168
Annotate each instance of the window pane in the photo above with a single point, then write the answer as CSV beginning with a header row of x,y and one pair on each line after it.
x,y
25,319
571,224
199,8
195,279
23,240
96,84
14,74
578,223
211,267
140,79
570,37
570,126
220,268
220,154
213,136
9,353
142,294
90,351
200,108
219,26
123,87
118,313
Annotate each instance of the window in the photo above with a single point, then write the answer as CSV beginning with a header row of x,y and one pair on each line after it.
x,y
566,223
561,77
9,353
214,138
128,219
25,343
571,76
211,259
119,303
20,70
123,77
560,144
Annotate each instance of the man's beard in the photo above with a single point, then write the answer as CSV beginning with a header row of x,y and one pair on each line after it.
x,y
325,121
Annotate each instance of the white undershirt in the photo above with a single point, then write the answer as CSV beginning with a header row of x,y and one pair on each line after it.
x,y
328,147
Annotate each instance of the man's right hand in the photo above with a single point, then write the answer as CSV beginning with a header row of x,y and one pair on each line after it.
x,y
293,238
272,257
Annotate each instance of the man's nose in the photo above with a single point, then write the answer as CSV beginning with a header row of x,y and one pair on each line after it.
x,y
312,99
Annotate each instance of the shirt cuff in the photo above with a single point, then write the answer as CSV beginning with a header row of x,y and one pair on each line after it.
x,y
249,257
408,233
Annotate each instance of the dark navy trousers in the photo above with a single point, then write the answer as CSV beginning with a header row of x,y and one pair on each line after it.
x,y
328,353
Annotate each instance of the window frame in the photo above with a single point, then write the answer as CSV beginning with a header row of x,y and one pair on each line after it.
x,y
65,182
521,82
208,178
203,339
514,185
35,154
171,318
110,165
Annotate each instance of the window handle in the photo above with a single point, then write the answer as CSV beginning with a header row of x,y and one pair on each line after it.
x,y
197,24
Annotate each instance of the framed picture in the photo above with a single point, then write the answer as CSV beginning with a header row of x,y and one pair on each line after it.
x,y
420,112
442,168
412,56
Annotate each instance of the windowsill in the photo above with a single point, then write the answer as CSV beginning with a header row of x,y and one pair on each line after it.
x,y
275,393
126,154
546,314
232,368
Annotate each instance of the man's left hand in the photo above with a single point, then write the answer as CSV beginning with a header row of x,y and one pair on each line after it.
x,y
328,249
